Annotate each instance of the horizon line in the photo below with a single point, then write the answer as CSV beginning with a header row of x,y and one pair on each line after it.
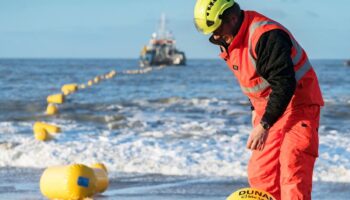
x,y
129,58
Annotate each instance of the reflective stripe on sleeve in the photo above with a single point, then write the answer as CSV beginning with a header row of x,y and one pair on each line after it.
x,y
296,59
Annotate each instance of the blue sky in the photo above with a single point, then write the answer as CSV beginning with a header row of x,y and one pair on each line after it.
x,y
119,29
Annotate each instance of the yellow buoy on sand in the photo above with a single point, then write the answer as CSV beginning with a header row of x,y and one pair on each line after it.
x,y
55,98
250,194
69,88
51,109
101,175
68,182
100,166
48,127
75,181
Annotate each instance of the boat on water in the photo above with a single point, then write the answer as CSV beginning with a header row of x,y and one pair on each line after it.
x,y
161,49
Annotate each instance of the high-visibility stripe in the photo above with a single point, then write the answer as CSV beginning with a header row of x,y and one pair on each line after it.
x,y
254,26
299,50
296,59
299,74
258,88
252,29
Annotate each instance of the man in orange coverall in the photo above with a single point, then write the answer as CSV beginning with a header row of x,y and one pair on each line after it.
x,y
274,71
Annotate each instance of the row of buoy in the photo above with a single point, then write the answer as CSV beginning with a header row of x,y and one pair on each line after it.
x,y
71,88
42,133
137,71
74,181
141,71
68,89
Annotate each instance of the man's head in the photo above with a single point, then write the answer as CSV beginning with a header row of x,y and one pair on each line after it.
x,y
220,17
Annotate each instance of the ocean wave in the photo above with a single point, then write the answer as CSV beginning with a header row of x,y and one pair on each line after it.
x,y
170,121
187,148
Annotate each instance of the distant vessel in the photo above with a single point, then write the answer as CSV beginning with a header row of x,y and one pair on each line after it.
x,y
161,49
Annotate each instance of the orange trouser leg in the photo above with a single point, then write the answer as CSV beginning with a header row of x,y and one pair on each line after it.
x,y
296,178
264,167
300,147
284,167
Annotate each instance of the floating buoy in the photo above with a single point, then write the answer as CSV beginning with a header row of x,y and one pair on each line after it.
x,y
48,127
75,181
96,79
69,88
42,135
82,86
55,98
112,73
90,83
250,194
51,109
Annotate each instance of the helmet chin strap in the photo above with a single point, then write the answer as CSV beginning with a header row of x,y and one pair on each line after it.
x,y
228,39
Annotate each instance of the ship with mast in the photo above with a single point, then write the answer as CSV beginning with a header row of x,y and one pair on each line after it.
x,y
161,49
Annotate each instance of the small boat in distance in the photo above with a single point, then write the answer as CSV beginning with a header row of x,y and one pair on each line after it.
x,y
161,50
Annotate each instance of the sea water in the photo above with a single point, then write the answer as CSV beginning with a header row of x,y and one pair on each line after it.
x,y
190,121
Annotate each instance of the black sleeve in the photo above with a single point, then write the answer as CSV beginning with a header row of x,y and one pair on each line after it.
x,y
275,64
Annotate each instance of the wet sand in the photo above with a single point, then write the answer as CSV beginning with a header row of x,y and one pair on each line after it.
x,y
23,183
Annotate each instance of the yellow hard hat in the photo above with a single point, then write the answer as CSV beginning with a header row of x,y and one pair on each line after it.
x,y
207,14
250,194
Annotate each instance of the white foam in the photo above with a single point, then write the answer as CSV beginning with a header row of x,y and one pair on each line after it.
x,y
147,152
334,162
208,146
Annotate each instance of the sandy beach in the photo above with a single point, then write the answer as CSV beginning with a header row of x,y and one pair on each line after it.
x,y
23,184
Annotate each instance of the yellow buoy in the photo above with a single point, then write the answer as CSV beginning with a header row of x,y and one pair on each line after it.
x,y
90,83
82,86
112,73
69,88
56,98
96,79
42,135
48,127
100,166
75,181
250,194
68,182
101,175
51,109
